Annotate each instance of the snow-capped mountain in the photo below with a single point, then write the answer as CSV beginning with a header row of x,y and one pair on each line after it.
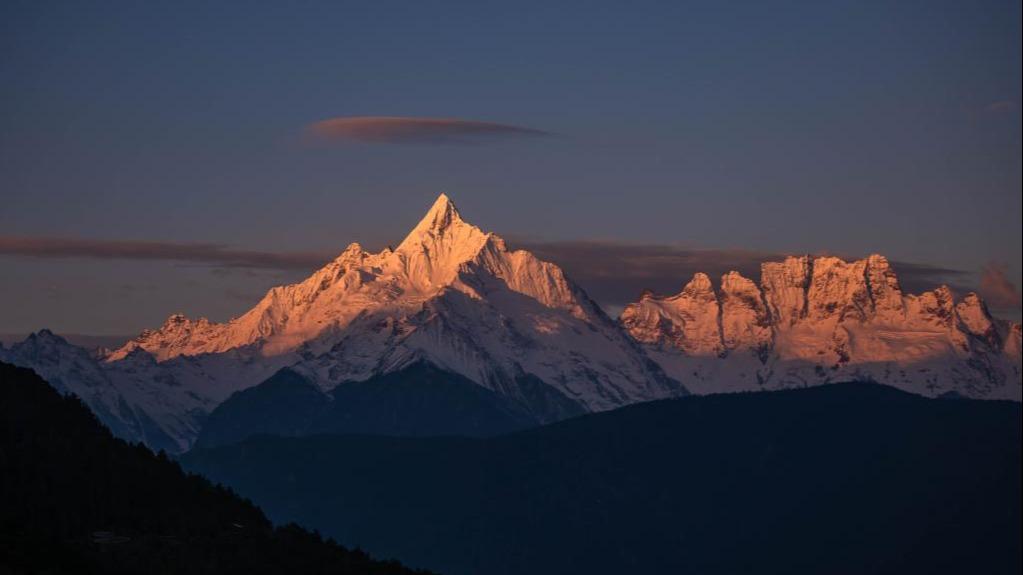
x,y
449,293
819,320
162,404
132,397
450,296
452,332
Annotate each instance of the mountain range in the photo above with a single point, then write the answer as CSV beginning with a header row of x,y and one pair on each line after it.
x,y
821,320
847,478
452,332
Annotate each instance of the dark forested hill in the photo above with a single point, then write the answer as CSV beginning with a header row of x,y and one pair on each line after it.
x,y
845,478
418,400
75,500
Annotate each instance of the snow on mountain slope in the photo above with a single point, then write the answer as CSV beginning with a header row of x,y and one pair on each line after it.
x,y
454,297
162,404
136,401
449,294
819,320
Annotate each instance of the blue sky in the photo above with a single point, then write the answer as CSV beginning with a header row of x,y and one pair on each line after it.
x,y
784,127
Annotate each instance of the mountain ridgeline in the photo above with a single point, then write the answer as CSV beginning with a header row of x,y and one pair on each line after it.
x,y
842,479
419,400
821,320
466,407
73,499
452,332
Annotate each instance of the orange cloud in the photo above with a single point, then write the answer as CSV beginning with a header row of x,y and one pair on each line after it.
x,y
615,273
207,254
997,290
393,130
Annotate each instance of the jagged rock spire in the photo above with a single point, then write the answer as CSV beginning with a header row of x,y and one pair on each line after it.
x,y
821,319
442,216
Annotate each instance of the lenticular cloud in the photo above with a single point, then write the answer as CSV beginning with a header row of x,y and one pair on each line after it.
x,y
397,130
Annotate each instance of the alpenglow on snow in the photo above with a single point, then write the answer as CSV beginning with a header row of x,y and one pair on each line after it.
x,y
450,295
452,325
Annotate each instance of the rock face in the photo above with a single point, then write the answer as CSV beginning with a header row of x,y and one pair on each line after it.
x,y
820,320
453,299
450,296
687,321
745,321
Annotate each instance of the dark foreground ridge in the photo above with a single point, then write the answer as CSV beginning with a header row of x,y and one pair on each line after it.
x,y
419,400
73,499
843,478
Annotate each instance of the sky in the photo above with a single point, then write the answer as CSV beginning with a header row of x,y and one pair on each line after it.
x,y
158,158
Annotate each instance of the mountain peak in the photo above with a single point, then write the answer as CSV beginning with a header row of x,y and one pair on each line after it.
x,y
822,319
441,216
46,336
699,285
353,255
442,220
439,244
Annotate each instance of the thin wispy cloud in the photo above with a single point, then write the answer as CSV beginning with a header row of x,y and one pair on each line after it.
x,y
996,288
202,253
616,273
413,130
917,278
613,273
